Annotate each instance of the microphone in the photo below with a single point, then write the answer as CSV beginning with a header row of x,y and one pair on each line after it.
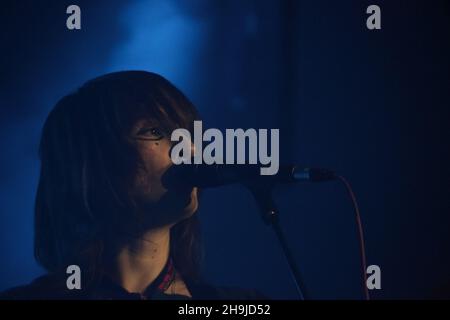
x,y
208,176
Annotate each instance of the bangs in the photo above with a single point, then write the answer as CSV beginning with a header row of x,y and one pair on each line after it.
x,y
138,96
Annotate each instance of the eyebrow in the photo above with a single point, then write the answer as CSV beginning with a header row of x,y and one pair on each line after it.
x,y
147,122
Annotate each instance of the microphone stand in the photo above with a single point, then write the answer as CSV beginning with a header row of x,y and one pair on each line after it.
x,y
263,196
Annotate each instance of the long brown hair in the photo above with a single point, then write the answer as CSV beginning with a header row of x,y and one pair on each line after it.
x,y
83,199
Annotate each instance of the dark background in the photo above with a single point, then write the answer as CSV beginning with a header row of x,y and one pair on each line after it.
x,y
373,105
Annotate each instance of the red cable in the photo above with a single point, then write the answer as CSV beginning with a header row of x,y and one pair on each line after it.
x,y
360,234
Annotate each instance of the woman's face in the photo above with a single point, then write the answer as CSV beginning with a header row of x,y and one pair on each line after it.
x,y
153,146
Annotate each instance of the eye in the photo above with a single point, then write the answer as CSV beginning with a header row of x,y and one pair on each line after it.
x,y
151,133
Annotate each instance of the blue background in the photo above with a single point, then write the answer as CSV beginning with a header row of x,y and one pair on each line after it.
x,y
372,105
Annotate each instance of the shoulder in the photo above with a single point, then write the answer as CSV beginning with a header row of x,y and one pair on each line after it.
x,y
234,293
43,288
204,291
53,287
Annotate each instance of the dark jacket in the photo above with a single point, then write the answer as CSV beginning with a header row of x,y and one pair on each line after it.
x,y
53,287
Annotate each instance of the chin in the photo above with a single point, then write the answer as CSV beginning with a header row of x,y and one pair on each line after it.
x,y
192,207
188,211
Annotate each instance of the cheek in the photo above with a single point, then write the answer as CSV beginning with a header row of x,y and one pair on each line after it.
x,y
155,156
156,160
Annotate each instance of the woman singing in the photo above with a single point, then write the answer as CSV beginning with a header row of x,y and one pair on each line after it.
x,y
100,203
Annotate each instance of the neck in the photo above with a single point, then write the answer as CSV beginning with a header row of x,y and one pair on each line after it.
x,y
140,261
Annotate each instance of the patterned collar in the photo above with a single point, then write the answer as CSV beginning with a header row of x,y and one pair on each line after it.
x,y
109,290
